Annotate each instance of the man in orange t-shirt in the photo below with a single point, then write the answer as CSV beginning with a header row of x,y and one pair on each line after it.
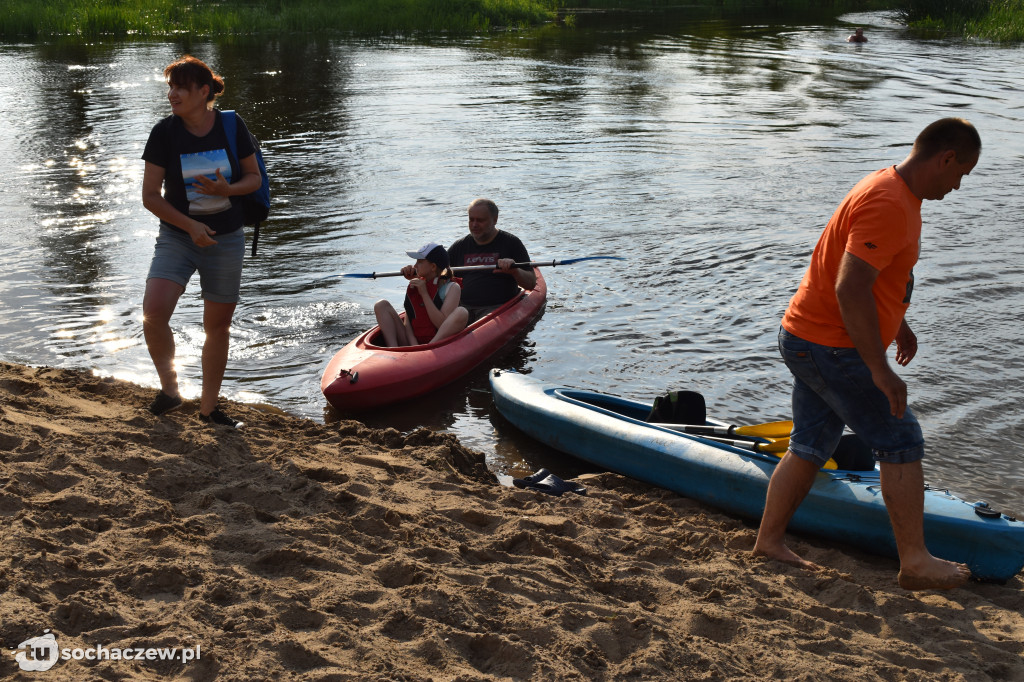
x,y
848,310
879,222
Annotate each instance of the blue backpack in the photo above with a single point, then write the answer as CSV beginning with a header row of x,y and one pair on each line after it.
x,y
255,206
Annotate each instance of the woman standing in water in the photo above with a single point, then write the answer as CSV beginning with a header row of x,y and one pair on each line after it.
x,y
187,158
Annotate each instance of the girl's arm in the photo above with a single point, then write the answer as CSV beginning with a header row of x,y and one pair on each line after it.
x,y
451,302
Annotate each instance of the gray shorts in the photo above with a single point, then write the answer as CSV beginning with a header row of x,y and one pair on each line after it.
x,y
176,258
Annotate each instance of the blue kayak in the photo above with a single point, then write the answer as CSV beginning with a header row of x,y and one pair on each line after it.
x,y
847,506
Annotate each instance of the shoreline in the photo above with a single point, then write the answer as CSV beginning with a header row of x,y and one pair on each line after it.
x,y
297,550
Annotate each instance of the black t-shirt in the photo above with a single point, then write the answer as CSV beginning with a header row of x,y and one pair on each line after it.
x,y
182,155
483,287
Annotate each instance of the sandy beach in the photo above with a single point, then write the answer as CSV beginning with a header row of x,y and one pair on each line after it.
x,y
293,550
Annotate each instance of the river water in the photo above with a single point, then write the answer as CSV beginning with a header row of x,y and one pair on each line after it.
x,y
709,151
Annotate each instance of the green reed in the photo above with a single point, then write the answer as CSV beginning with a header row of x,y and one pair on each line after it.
x,y
999,20
123,18
1004,22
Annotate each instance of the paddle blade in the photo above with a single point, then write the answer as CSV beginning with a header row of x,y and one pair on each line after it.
x,y
831,464
769,430
773,446
570,261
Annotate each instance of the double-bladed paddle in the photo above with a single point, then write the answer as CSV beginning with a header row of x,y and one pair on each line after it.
x,y
766,444
770,430
688,411
469,268
769,445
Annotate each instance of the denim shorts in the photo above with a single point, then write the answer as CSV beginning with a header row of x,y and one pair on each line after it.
x,y
176,258
832,388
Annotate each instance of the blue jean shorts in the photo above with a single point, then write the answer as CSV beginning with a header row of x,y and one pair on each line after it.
x,y
832,388
177,258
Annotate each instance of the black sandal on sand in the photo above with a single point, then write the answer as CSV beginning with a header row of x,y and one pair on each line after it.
x,y
164,404
218,418
547,482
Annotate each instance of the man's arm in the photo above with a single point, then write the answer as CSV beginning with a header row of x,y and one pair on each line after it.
x,y
860,317
515,252
527,279
906,344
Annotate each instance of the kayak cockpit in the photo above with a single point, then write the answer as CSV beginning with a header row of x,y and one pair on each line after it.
x,y
621,407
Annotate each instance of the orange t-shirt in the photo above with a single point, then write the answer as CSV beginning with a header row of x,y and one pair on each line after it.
x,y
879,221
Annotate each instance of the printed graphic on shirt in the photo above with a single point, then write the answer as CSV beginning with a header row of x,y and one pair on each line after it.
x,y
205,163
910,288
481,259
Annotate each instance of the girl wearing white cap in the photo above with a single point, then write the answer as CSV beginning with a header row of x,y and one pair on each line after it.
x,y
432,309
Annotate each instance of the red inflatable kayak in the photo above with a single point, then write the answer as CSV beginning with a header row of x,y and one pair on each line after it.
x,y
363,375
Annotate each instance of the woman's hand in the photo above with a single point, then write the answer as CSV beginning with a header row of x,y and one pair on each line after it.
x,y
217,187
201,234
420,285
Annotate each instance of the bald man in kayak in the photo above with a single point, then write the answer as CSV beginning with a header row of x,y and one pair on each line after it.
x,y
848,309
486,290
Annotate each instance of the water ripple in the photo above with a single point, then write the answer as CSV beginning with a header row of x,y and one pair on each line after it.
x,y
710,153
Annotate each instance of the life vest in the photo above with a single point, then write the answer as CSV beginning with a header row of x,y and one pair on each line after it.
x,y
416,310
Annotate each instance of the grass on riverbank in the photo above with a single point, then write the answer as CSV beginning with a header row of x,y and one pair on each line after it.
x,y
999,20
123,18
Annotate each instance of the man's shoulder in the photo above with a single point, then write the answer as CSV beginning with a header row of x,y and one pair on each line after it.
x,y
509,237
884,185
882,176
501,240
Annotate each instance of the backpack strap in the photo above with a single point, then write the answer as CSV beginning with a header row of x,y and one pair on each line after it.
x,y
229,119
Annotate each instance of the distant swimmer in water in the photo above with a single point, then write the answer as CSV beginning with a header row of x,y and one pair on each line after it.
x,y
857,37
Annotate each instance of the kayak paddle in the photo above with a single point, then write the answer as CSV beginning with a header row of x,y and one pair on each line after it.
x,y
771,430
469,268
772,445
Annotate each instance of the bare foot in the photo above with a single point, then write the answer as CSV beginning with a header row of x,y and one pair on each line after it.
x,y
785,555
939,575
